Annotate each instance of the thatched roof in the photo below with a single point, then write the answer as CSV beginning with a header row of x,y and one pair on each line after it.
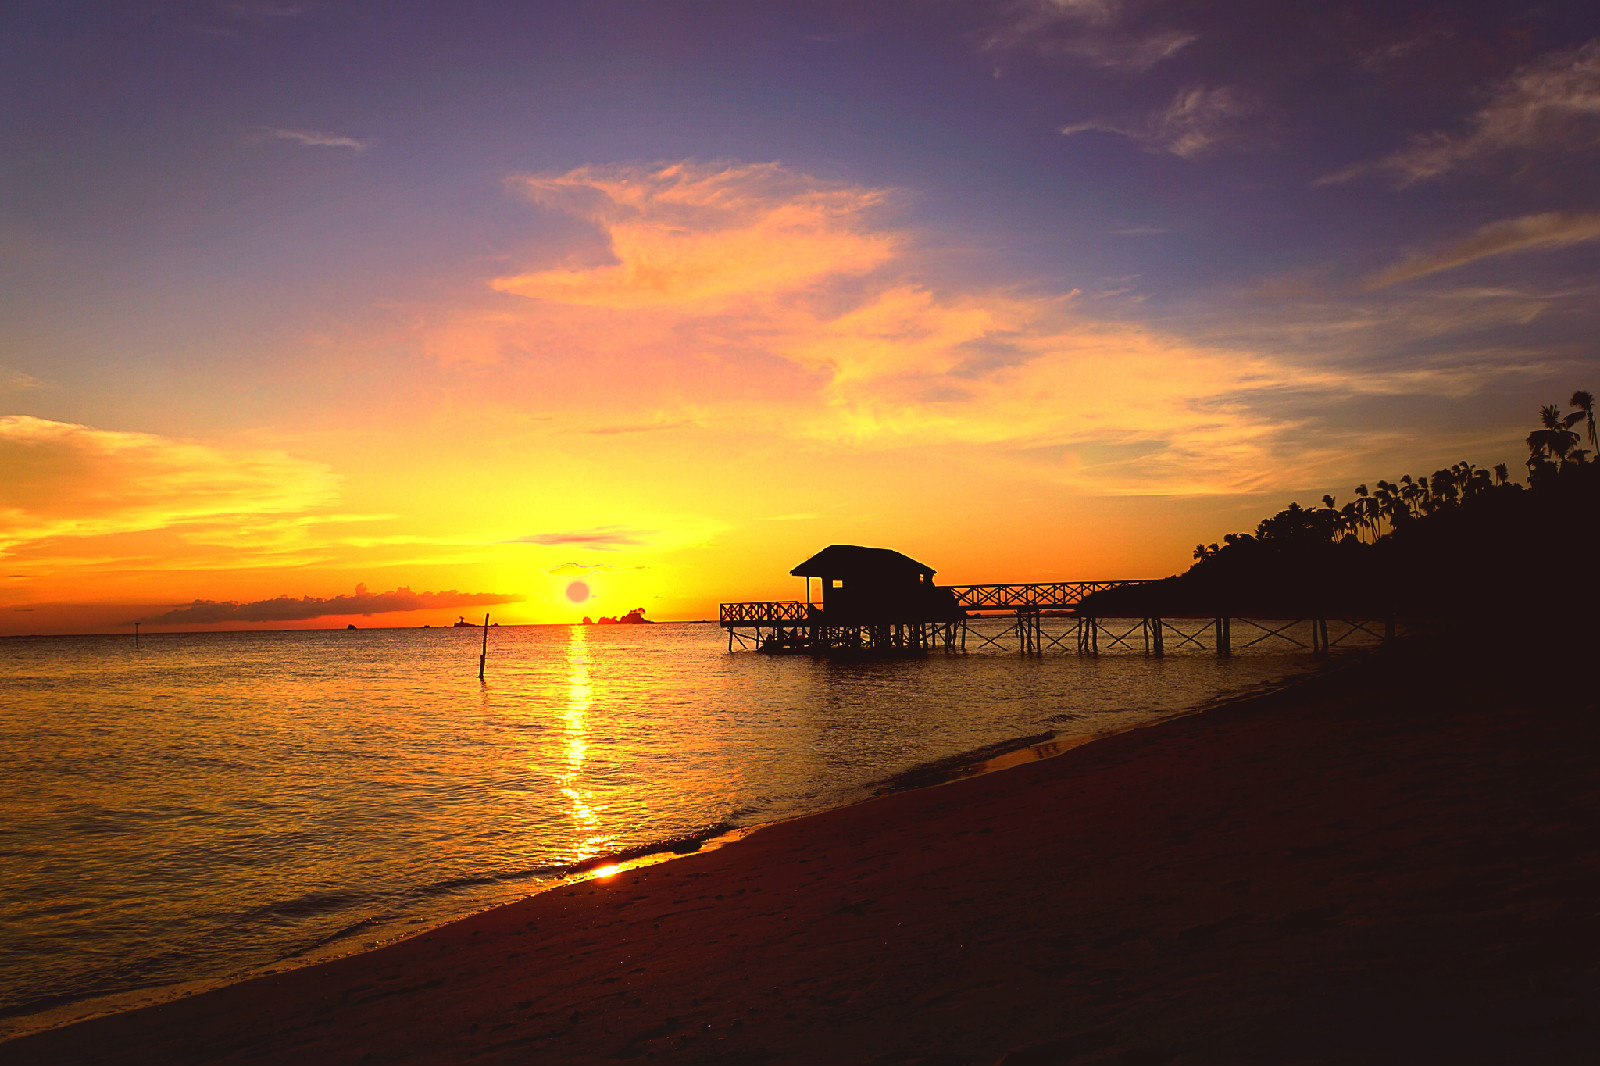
x,y
847,561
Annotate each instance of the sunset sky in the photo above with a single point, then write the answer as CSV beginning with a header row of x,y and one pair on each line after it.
x,y
327,312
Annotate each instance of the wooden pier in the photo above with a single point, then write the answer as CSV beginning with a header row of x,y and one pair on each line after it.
x,y
1036,619
881,604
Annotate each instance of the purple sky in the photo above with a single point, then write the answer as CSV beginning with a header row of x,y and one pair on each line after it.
x,y
301,252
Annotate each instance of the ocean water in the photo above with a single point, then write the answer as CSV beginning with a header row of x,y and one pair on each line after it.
x,y
207,806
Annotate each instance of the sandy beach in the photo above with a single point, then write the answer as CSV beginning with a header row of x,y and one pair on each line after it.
x,y
1398,860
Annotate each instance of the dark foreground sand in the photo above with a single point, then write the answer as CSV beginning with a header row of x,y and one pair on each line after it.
x,y
1399,861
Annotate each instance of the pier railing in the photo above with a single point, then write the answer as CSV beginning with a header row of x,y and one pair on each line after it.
x,y
1011,596
793,626
761,613
1048,595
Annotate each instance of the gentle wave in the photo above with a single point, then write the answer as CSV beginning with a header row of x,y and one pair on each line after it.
x,y
218,804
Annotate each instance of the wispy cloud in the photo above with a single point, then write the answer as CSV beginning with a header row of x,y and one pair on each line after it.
x,y
17,381
1528,233
601,538
268,10
570,569
1198,120
236,18
703,234
838,355
1552,104
654,426
318,139
1393,51
289,609
1088,31
58,479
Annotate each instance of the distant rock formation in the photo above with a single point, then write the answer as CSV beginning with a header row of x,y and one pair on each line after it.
x,y
634,617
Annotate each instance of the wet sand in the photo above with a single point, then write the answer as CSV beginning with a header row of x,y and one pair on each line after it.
x,y
1396,861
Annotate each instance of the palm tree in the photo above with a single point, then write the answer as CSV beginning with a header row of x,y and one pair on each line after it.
x,y
1362,510
1556,439
1470,479
1583,400
1502,476
1385,504
1444,486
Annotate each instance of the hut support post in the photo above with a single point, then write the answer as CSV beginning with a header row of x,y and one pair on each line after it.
x,y
1157,648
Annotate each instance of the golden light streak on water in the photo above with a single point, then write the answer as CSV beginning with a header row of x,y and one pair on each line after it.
x,y
588,841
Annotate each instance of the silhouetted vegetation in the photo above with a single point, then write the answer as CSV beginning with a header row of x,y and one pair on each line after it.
x,y
634,617
1461,539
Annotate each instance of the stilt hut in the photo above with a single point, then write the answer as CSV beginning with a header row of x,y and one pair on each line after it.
x,y
874,601
861,586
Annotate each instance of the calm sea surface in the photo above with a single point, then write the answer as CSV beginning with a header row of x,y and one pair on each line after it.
x,y
211,805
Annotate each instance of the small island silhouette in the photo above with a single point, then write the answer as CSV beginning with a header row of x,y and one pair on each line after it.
x,y
634,617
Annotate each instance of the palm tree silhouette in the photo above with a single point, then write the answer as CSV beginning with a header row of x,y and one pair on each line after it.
x,y
1551,444
1413,494
1583,400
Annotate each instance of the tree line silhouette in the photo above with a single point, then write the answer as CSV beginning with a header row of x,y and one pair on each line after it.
x,y
1463,538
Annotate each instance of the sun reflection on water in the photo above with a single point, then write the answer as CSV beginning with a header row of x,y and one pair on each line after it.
x,y
588,840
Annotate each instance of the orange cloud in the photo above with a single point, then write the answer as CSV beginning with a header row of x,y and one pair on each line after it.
x,y
703,236
757,301
58,479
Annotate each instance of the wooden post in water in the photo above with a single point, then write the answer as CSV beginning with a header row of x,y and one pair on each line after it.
x,y
1224,636
1157,648
136,635
485,653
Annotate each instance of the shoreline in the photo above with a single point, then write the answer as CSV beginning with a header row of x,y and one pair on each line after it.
x,y
1404,842
988,759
